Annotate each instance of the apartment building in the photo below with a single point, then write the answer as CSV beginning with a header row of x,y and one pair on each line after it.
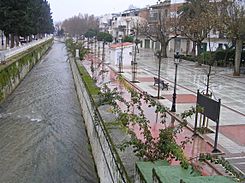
x,y
124,23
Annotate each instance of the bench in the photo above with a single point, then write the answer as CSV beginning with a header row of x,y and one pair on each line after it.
x,y
163,85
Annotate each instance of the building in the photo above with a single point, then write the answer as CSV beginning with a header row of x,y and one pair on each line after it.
x,y
105,22
168,10
121,24
119,50
124,24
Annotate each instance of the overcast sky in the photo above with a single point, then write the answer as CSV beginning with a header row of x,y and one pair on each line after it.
x,y
63,9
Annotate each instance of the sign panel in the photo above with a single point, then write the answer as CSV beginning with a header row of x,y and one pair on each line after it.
x,y
211,107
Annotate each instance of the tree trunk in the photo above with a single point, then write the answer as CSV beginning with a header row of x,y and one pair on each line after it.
x,y
164,50
7,40
187,47
88,43
193,51
12,41
199,48
238,57
103,53
17,40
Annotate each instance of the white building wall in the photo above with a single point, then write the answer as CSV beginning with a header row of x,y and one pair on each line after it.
x,y
214,44
115,54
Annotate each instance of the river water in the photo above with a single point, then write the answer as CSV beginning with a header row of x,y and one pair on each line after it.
x,y
42,133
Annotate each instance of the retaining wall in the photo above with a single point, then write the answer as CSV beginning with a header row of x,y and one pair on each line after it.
x,y
108,164
18,67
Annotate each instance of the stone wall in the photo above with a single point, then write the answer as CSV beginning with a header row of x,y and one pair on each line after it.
x,y
18,67
108,164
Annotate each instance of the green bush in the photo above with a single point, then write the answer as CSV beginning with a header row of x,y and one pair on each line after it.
x,y
188,57
227,55
128,39
220,57
206,58
72,46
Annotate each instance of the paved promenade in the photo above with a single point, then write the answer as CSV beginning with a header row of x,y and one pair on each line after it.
x,y
190,78
6,54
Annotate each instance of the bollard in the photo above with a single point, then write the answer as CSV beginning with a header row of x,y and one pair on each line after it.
x,y
77,53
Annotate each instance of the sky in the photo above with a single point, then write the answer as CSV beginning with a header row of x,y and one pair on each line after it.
x,y
63,9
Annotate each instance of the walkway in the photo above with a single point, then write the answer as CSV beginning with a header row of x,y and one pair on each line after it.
x,y
190,78
192,150
6,54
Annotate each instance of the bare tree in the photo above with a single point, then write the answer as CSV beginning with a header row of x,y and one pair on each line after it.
x,y
78,25
232,15
197,19
160,27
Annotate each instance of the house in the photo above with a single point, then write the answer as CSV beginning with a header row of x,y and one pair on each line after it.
x,y
124,23
121,24
121,50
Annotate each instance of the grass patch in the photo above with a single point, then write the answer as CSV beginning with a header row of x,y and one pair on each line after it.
x,y
114,124
89,82
204,130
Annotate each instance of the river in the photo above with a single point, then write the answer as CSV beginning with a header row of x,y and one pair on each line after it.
x,y
42,132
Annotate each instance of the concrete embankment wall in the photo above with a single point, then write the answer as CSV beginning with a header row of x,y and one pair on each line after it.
x,y
109,166
17,67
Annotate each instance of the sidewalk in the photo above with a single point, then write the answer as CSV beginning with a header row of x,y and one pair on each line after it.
x,y
192,151
6,54
190,78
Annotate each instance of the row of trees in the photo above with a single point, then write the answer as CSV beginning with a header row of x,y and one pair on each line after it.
x,y
79,25
195,20
198,18
25,18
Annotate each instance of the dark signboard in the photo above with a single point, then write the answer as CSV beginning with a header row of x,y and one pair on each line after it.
x,y
211,110
211,107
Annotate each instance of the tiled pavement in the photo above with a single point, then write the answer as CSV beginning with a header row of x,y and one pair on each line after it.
x,y
190,78
192,150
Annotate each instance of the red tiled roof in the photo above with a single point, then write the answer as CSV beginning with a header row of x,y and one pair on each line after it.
x,y
118,45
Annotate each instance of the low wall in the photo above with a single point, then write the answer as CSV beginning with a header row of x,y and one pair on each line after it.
x,y
12,74
108,164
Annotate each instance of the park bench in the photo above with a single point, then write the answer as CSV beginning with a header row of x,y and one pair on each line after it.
x,y
160,82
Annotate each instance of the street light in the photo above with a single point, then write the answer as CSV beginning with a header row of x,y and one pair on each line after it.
x,y
159,56
134,62
120,65
176,62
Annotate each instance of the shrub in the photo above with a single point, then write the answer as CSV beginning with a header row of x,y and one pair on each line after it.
x,y
72,46
206,58
188,57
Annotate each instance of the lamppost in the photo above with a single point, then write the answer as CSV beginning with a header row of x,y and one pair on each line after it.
x,y
136,49
120,65
159,56
176,62
134,62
